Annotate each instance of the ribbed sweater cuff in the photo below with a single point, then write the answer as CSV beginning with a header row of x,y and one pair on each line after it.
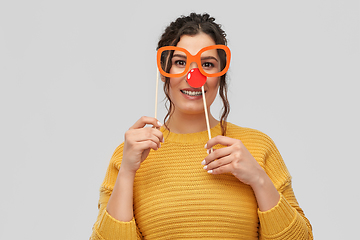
x,y
110,228
277,219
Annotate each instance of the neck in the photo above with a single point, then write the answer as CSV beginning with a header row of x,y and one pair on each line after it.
x,y
189,123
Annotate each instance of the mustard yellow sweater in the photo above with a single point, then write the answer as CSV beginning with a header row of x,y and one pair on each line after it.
x,y
175,198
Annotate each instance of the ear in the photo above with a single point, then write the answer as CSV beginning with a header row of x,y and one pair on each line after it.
x,y
162,78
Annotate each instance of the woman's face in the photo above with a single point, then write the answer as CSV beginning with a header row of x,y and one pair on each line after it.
x,y
188,100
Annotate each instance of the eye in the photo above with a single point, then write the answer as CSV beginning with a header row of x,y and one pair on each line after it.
x,y
207,65
180,63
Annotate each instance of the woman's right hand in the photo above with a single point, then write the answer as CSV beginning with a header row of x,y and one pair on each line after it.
x,y
139,140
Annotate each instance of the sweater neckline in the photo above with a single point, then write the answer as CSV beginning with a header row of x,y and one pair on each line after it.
x,y
190,137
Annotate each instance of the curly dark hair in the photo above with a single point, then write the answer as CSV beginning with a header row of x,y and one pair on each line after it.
x,y
192,25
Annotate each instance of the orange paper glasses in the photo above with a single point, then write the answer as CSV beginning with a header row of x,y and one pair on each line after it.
x,y
212,61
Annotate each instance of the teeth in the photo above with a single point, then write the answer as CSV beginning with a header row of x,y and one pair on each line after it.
x,y
191,93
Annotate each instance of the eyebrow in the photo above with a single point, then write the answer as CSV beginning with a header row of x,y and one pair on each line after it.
x,y
179,55
203,58
209,57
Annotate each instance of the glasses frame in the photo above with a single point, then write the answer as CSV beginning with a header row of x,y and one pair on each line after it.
x,y
194,58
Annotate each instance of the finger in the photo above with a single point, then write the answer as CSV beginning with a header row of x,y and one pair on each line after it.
x,y
221,169
218,154
223,140
148,144
146,120
154,135
156,132
219,163
144,134
154,140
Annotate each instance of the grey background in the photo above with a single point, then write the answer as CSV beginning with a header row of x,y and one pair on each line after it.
x,y
75,75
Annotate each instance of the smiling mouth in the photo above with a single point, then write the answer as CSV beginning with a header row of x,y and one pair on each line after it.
x,y
191,93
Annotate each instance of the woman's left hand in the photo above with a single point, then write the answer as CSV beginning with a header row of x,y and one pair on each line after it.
x,y
235,158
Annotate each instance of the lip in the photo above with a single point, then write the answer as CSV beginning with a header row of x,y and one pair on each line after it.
x,y
193,90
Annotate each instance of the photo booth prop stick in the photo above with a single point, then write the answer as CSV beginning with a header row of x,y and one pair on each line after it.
x,y
174,62
195,79
156,92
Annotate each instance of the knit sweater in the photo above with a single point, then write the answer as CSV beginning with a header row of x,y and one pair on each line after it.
x,y
175,198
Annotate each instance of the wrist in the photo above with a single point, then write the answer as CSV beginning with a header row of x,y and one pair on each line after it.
x,y
126,174
266,193
120,204
260,180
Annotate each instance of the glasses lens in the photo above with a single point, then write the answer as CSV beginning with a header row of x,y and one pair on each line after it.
x,y
213,61
173,61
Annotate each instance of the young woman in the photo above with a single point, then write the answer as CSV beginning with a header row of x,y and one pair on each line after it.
x,y
165,183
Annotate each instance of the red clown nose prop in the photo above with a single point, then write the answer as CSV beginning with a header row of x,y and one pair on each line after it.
x,y
195,78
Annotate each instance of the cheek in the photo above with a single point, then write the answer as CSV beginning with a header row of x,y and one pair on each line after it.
x,y
213,82
174,83
172,71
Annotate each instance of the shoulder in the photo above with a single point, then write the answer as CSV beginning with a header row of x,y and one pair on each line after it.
x,y
264,150
254,140
117,156
247,134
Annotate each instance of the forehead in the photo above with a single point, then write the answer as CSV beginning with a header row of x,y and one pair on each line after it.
x,y
195,43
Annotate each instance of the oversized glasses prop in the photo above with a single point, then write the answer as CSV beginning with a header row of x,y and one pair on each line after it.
x,y
211,61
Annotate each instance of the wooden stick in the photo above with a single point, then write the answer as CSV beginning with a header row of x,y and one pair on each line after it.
x,y
156,92
206,115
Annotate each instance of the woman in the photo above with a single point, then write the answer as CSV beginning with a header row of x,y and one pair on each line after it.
x,y
162,183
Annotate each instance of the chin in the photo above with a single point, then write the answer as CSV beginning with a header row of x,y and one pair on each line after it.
x,y
193,110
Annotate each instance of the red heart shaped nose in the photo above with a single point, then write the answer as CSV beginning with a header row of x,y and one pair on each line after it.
x,y
195,78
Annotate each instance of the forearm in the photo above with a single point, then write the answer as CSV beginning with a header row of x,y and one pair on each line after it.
x,y
286,220
266,194
120,205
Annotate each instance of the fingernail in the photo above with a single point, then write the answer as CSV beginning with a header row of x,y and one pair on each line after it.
x,y
210,171
162,140
203,162
159,123
205,167
208,151
205,146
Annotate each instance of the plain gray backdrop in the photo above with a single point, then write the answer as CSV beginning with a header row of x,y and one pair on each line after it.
x,y
75,75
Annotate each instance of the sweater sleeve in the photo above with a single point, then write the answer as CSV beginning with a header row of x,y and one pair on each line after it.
x,y
106,227
286,220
